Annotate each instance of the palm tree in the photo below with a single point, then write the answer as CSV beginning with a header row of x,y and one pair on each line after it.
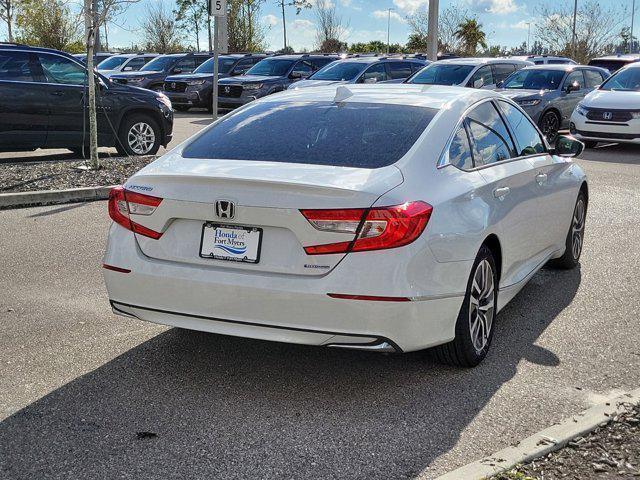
x,y
471,35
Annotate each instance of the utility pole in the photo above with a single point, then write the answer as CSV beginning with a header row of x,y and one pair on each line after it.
x,y
633,14
90,27
284,24
432,34
389,10
573,35
529,38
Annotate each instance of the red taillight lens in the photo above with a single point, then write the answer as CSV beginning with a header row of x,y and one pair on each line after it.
x,y
123,202
381,227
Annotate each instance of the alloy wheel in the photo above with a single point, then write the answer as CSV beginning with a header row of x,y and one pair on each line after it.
x,y
577,229
481,305
550,126
141,138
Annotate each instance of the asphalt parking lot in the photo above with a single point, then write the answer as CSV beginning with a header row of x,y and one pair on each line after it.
x,y
86,394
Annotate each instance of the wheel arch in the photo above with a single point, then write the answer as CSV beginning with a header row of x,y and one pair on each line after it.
x,y
553,109
493,243
155,115
584,188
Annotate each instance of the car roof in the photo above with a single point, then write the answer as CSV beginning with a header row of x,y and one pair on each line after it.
x,y
632,57
304,55
481,61
565,67
432,96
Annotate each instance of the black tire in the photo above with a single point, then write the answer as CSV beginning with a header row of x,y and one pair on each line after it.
x,y
181,108
462,351
123,145
590,143
575,236
549,124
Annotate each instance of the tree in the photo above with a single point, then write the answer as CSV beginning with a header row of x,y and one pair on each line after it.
x,y
299,5
160,31
448,21
597,29
470,33
191,16
330,28
109,11
48,23
7,14
246,33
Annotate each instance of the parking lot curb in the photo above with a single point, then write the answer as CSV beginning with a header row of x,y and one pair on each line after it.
x,y
53,197
545,441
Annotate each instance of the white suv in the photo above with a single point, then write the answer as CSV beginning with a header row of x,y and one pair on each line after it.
x,y
611,113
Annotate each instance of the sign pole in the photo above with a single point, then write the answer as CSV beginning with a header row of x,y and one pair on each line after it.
x,y
216,49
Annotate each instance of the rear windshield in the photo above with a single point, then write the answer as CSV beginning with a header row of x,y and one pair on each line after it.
x,y
363,135
442,74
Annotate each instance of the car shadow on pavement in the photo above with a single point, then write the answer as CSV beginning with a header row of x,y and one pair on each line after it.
x,y
193,405
613,153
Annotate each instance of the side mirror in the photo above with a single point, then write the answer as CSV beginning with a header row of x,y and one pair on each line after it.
x,y
572,87
370,80
127,69
500,84
176,70
478,83
567,146
295,75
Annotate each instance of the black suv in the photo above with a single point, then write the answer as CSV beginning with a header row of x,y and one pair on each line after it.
x,y
196,89
268,76
43,97
152,75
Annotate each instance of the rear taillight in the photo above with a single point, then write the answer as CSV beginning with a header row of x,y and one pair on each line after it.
x,y
376,228
123,202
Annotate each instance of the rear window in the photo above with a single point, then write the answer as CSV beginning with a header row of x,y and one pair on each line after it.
x,y
611,65
362,135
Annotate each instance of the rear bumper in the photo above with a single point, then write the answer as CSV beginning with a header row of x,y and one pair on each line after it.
x,y
284,308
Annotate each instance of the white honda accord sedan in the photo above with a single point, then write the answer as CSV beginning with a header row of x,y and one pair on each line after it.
x,y
389,218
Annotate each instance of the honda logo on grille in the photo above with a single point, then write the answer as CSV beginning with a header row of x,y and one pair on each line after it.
x,y
173,84
227,89
225,209
607,115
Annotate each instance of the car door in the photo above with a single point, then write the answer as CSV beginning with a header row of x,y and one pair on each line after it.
x,y
553,193
24,106
65,91
569,99
508,191
482,78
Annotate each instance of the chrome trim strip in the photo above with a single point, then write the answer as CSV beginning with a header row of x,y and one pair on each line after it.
x,y
378,347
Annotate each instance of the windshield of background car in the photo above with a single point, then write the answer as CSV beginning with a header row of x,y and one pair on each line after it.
x,y
353,134
534,80
442,74
111,63
627,80
271,67
158,64
344,71
224,66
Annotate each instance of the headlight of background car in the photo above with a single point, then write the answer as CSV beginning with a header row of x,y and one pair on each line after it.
x,y
635,115
581,110
529,103
164,99
252,86
196,82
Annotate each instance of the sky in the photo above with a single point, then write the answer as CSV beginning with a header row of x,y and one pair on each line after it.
x,y
504,21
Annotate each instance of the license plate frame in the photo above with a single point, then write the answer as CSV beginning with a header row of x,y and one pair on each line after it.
x,y
231,257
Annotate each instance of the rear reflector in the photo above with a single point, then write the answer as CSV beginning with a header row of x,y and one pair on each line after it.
x,y
369,297
379,228
123,202
115,269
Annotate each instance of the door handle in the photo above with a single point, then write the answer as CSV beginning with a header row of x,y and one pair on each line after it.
x,y
501,192
541,178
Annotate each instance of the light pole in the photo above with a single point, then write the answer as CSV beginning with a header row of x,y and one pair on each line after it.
x,y
528,37
389,10
573,34
633,14
432,33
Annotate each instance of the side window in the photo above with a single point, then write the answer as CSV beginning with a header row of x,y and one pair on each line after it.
x,y
490,138
375,73
187,65
242,66
460,149
16,66
573,78
502,71
61,70
539,62
318,63
592,78
304,68
415,66
135,64
482,78
526,135
398,70
199,60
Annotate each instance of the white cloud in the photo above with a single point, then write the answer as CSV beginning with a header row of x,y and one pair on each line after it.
x,y
385,13
270,20
498,7
345,3
411,6
302,24
521,25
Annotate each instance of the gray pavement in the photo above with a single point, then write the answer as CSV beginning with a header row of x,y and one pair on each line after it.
x,y
80,386
185,125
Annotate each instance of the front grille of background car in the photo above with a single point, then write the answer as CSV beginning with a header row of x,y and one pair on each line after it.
x,y
233,91
175,86
616,115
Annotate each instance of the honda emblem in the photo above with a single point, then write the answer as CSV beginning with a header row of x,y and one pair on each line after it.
x,y
225,209
607,115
